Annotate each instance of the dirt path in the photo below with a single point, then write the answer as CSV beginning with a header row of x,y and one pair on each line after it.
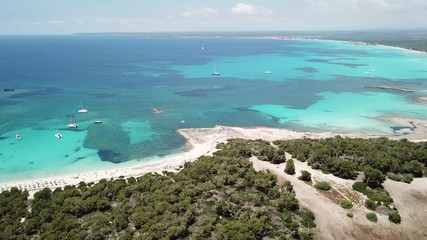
x,y
332,221
411,201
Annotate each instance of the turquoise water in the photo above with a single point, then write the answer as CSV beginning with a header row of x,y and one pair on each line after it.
x,y
311,84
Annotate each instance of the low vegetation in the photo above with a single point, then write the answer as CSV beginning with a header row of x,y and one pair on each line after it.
x,y
377,195
372,217
305,176
290,167
345,157
346,204
370,204
394,217
323,186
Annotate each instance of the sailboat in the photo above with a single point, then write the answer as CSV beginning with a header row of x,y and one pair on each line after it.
x,y
215,73
372,69
81,109
72,124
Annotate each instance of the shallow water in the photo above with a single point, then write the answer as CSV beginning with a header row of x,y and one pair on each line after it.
x,y
318,85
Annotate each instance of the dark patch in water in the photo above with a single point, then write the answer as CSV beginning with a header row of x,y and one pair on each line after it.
x,y
276,120
111,142
77,149
201,93
2,138
71,129
9,89
104,95
397,130
6,103
330,61
79,158
69,116
45,91
31,162
244,109
111,156
67,155
307,69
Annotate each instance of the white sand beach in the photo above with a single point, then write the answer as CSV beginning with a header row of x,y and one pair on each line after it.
x,y
200,141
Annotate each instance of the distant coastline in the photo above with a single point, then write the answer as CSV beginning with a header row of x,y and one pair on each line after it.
x,y
411,40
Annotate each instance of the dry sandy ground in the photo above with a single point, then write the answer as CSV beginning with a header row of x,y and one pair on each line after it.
x,y
332,221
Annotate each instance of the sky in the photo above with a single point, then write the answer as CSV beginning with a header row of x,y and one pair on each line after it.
x,y
79,16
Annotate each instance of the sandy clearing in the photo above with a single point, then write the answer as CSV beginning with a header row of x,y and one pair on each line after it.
x,y
332,221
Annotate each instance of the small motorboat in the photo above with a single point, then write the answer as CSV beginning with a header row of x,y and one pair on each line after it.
x,y
83,110
17,136
97,121
58,135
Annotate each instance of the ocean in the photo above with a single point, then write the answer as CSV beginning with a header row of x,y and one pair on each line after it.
x,y
313,85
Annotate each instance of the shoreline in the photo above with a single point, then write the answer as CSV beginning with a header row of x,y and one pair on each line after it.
x,y
203,141
320,38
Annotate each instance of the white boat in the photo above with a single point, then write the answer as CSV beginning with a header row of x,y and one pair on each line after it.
x,y
97,121
82,109
72,124
58,135
215,73
267,72
17,136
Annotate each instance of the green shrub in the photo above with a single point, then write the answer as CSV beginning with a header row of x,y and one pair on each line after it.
x,y
305,236
305,176
407,178
360,187
307,218
380,195
323,186
370,204
394,217
372,217
350,215
346,204
290,167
